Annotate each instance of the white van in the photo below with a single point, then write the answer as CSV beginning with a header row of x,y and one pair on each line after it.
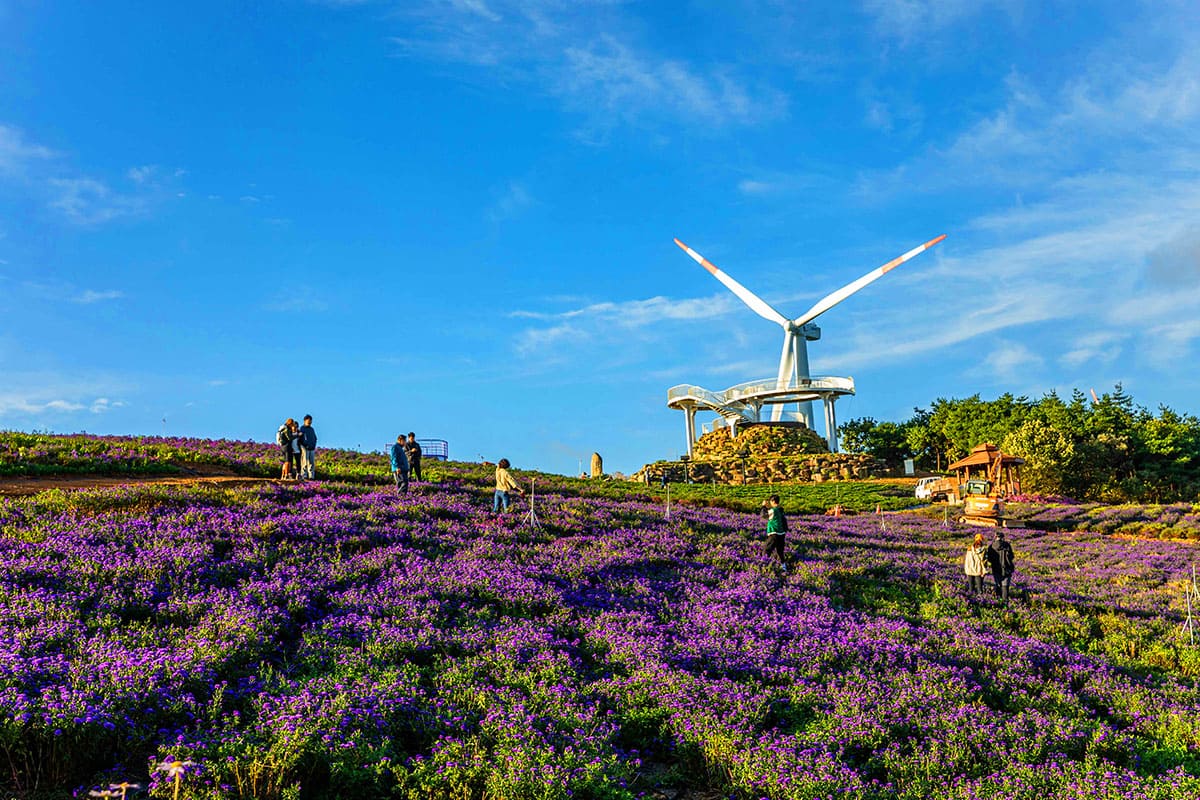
x,y
924,485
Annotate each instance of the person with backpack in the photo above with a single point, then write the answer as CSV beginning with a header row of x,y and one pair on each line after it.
x,y
400,465
283,438
777,527
1000,559
295,451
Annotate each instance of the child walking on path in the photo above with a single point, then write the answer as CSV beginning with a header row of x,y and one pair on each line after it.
x,y
772,512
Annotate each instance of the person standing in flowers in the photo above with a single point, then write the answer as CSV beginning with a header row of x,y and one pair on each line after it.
x,y
975,564
295,446
308,453
413,450
777,527
283,437
400,465
1000,559
505,483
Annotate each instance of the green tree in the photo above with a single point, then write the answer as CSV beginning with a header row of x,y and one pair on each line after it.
x,y
886,441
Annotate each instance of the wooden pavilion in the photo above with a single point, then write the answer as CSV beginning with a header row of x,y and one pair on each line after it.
x,y
986,461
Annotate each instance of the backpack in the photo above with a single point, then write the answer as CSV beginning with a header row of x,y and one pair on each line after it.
x,y
281,436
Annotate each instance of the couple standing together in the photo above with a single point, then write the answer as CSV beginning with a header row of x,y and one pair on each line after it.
x,y
998,556
406,460
298,445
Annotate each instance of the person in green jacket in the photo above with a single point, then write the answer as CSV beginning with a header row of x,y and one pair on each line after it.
x,y
772,512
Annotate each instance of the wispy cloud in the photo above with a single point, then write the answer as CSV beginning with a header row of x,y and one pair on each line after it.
x,y
89,202
1102,347
89,296
907,21
40,403
81,199
16,152
513,201
299,300
586,55
639,313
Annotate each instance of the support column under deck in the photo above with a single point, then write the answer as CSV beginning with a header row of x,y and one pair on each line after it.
x,y
689,423
831,438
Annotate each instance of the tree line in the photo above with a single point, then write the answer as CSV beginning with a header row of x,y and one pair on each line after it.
x,y
1103,448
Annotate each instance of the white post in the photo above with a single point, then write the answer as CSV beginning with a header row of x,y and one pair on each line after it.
x,y
831,423
690,426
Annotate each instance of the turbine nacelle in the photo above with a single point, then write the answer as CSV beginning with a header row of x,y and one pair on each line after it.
x,y
809,330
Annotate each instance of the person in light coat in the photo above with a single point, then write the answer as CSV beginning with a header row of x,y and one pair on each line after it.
x,y
975,564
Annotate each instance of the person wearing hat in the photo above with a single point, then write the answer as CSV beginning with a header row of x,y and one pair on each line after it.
x,y
975,564
1000,559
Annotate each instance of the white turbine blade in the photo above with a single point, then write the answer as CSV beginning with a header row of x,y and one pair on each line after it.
x,y
748,297
833,298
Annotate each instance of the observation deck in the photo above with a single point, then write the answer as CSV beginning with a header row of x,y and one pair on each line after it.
x,y
743,402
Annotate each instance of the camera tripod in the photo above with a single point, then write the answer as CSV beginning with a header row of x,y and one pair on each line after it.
x,y
531,519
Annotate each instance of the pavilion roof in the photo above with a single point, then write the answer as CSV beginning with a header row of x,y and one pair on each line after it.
x,y
984,454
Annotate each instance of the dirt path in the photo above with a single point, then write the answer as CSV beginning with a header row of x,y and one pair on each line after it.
x,y
27,486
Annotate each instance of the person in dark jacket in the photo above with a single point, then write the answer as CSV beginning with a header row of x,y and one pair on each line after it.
x,y
308,449
1000,559
413,450
400,465
777,527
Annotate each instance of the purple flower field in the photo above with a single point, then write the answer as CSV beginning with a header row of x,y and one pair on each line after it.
x,y
341,641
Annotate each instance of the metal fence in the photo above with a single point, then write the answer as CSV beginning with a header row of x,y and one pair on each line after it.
x,y
436,449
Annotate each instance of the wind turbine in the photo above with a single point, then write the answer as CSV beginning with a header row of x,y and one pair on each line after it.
x,y
793,360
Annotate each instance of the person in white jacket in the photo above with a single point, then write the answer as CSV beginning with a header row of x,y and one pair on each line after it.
x,y
975,564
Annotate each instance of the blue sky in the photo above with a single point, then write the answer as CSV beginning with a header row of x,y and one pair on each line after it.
x,y
456,217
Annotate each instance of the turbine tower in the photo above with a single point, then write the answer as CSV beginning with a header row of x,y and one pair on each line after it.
x,y
793,360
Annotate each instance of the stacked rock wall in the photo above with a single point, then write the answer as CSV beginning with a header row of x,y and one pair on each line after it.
x,y
763,454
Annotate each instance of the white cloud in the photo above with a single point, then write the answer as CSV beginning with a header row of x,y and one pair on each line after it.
x,y
640,313
89,296
1012,362
16,152
141,174
29,403
88,202
1102,347
909,21
512,202
753,187
586,55
537,341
